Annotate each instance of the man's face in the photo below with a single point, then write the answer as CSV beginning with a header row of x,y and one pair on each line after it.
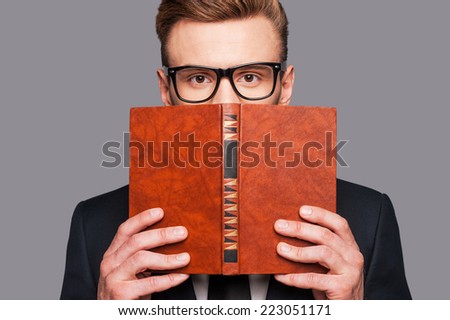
x,y
224,45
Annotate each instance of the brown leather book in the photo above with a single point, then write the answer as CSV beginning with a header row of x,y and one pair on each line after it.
x,y
227,172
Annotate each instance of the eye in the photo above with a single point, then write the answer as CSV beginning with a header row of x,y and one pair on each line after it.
x,y
199,79
249,79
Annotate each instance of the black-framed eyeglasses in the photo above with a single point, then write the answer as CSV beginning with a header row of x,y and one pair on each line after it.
x,y
253,81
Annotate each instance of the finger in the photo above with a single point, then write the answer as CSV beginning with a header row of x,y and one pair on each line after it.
x,y
146,286
144,260
147,240
329,220
314,254
315,281
312,233
134,225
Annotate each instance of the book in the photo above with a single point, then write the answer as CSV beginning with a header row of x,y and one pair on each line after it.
x,y
227,172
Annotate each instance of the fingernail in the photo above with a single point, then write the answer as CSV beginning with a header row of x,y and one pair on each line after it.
x,y
306,211
182,257
179,232
155,212
181,276
282,224
279,276
285,248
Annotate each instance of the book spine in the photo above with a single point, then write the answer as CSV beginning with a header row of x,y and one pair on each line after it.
x,y
230,191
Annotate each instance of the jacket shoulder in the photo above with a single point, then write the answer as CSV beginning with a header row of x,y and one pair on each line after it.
x,y
355,201
94,224
100,217
105,204
347,191
361,207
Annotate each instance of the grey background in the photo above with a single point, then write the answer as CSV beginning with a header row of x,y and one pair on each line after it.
x,y
70,70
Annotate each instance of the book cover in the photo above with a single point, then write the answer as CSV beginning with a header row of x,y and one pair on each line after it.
x,y
227,172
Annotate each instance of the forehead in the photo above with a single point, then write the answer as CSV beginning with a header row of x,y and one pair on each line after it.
x,y
223,44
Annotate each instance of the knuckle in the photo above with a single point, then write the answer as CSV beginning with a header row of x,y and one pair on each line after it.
x,y
298,227
342,225
299,253
106,254
347,286
325,253
110,251
122,231
335,286
311,278
153,282
122,293
104,267
171,277
359,259
167,260
135,241
163,234
115,294
137,258
327,235
112,289
293,278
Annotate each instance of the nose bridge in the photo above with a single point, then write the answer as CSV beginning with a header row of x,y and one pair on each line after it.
x,y
225,93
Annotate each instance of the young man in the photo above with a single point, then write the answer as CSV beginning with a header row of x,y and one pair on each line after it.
x,y
360,245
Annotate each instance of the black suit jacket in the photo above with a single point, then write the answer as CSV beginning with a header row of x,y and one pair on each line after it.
x,y
369,213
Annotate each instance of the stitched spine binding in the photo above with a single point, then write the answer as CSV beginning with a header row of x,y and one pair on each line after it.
x,y
230,191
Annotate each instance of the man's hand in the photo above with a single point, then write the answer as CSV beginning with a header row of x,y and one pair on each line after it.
x,y
335,248
128,256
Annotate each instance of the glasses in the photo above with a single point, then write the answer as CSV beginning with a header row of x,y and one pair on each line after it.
x,y
253,81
